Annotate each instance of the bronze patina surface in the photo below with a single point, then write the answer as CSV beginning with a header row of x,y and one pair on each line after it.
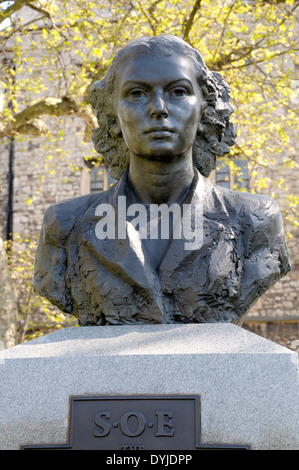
x,y
163,119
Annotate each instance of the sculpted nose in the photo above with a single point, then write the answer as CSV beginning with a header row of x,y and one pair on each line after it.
x,y
158,106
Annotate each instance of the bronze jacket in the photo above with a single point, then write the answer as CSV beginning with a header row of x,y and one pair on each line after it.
x,y
112,281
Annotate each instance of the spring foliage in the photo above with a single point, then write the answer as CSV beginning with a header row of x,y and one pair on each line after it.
x,y
61,47
53,51
35,315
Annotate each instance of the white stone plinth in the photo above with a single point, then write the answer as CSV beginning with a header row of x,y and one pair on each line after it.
x,y
248,385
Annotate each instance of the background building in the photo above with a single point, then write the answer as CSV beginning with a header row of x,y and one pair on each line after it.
x,y
36,172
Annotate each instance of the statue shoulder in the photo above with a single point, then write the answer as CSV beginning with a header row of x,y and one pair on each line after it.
x,y
254,208
60,218
260,221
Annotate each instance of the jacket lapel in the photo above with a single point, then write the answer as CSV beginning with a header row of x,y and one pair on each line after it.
x,y
178,258
122,257
126,259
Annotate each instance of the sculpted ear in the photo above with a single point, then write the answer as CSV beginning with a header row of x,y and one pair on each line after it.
x,y
199,128
114,128
202,112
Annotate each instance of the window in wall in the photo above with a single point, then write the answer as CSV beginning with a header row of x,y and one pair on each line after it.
x,y
99,176
98,179
225,177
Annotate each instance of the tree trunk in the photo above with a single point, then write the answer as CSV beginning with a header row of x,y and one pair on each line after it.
x,y
8,304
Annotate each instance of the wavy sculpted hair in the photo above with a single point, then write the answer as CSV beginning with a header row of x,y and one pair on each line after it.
x,y
215,131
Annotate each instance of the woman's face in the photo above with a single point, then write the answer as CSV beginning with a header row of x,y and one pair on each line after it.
x,y
158,104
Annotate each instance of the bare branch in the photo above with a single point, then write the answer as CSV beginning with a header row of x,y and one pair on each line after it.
x,y
257,61
225,22
21,28
40,10
16,6
268,167
245,51
233,56
29,120
148,17
189,22
153,6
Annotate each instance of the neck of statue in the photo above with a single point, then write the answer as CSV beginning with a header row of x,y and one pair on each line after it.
x,y
158,181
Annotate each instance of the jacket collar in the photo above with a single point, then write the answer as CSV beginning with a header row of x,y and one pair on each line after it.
x,y
126,257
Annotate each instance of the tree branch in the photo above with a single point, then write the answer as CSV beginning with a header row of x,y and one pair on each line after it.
x,y
189,22
22,28
29,120
227,58
225,22
149,19
258,61
16,6
40,10
245,51
153,6
263,164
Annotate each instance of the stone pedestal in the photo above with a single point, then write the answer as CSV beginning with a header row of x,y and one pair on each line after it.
x,y
248,385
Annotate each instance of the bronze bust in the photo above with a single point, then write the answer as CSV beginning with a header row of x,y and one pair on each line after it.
x,y
163,119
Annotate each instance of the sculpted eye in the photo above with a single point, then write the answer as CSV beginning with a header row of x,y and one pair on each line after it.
x,y
179,92
137,93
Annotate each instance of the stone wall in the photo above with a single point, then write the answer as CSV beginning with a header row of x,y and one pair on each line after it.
x,y
43,176
282,300
4,149
41,179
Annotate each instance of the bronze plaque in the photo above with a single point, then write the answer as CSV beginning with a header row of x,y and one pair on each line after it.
x,y
135,422
143,422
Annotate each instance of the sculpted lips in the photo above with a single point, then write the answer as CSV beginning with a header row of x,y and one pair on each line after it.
x,y
159,131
